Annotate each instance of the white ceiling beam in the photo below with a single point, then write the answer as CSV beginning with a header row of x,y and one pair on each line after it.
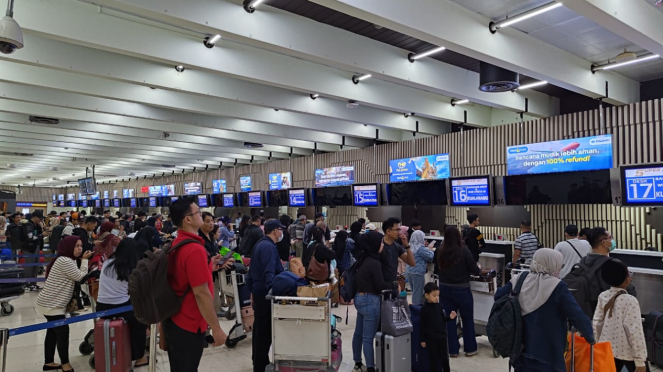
x,y
234,59
633,20
113,66
442,22
333,47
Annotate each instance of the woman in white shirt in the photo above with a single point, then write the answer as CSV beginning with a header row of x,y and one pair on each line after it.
x,y
114,293
61,276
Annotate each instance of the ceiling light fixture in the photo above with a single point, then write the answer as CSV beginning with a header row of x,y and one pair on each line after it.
x,y
413,57
210,41
458,102
251,5
532,85
408,114
314,96
179,68
357,78
494,26
610,66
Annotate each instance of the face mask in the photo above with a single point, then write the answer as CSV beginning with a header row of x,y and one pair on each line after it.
x,y
613,245
281,237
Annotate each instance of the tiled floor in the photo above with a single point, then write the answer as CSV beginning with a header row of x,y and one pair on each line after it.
x,y
25,352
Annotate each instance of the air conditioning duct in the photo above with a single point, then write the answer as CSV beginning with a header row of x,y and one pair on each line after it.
x,y
44,120
493,79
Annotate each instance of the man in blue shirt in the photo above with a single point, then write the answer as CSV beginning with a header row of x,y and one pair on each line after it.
x,y
265,265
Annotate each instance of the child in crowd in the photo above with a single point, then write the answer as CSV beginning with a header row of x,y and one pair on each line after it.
x,y
434,330
617,319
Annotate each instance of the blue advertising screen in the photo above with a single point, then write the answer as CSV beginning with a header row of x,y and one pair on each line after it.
x,y
54,197
365,195
116,203
132,203
128,193
202,201
218,186
578,154
280,181
297,198
60,197
106,203
255,199
97,203
95,196
155,191
71,196
193,188
335,176
245,183
430,167
644,185
72,203
470,191
106,194
115,194
228,200
153,202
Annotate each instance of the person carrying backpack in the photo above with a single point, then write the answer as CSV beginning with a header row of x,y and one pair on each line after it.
x,y
546,307
584,280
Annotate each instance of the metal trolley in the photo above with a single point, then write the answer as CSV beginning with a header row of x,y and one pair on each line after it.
x,y
238,332
301,334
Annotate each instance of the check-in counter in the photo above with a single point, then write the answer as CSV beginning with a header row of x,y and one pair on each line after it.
x,y
495,261
647,269
503,247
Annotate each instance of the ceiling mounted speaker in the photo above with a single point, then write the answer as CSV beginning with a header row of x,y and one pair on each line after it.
x,y
44,120
252,145
493,79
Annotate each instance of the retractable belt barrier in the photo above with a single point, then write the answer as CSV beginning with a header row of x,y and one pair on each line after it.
x,y
34,255
22,280
24,264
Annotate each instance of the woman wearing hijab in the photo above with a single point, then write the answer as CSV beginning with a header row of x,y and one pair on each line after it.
x,y
343,246
61,276
148,239
547,307
370,284
355,232
107,242
422,256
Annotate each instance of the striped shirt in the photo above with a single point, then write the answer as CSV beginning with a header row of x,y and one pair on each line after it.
x,y
59,287
527,243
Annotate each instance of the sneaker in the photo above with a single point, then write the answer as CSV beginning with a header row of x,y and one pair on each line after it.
x,y
453,355
471,354
359,368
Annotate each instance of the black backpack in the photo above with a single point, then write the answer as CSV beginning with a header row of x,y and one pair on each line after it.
x,y
584,282
151,296
505,323
348,284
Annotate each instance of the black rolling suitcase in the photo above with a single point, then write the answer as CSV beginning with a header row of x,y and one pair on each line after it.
x,y
8,289
653,328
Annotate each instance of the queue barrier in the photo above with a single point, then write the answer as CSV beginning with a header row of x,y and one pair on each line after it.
x,y
24,264
5,333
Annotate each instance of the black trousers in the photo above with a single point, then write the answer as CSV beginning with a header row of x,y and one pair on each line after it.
x,y
438,356
137,330
184,348
262,332
629,364
58,336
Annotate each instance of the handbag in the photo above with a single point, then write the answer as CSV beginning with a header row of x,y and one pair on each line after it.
x,y
604,360
395,317
317,271
317,291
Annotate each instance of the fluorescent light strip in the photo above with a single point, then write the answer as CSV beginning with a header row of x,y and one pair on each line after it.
x,y
526,15
256,3
637,60
428,53
532,85
364,77
460,102
214,39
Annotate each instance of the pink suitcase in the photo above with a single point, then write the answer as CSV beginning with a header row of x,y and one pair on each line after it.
x,y
112,352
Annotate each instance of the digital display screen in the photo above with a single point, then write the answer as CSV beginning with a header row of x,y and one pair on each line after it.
x,y
72,203
95,196
365,195
335,176
430,167
83,204
193,188
128,193
106,203
153,202
116,203
470,191
218,186
55,197
297,198
255,199
132,203
578,154
588,187
61,203
97,203
643,185
71,196
332,196
202,201
174,199
245,183
155,191
228,200
168,190
280,181
417,193
106,194
115,194
60,197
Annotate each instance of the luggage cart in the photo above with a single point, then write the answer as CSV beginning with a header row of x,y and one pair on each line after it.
x,y
238,332
483,292
226,285
301,335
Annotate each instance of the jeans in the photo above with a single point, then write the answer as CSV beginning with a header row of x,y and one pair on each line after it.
x,y
185,349
368,321
58,336
137,330
460,300
417,284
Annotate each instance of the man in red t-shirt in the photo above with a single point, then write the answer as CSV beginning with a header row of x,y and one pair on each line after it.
x,y
190,272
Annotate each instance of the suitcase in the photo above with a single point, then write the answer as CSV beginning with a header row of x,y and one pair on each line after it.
x,y
419,354
393,353
7,289
653,328
112,346
247,318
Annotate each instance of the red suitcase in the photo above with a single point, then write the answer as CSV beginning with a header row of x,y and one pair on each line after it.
x,y
112,352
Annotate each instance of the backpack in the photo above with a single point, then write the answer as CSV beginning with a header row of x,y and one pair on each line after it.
x,y
505,323
151,296
348,284
584,282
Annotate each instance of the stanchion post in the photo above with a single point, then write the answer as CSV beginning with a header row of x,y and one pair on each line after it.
x,y
4,338
153,348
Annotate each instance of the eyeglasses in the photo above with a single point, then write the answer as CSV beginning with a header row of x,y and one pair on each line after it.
x,y
193,214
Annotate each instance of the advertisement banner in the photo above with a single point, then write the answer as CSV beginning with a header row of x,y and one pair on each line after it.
x,y
578,154
192,188
335,176
106,194
168,190
429,167
245,183
218,186
95,196
128,193
280,181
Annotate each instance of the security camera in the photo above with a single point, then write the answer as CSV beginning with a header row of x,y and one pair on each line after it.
x,y
11,36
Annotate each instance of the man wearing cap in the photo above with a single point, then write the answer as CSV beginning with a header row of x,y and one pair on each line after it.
x,y
32,239
265,265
